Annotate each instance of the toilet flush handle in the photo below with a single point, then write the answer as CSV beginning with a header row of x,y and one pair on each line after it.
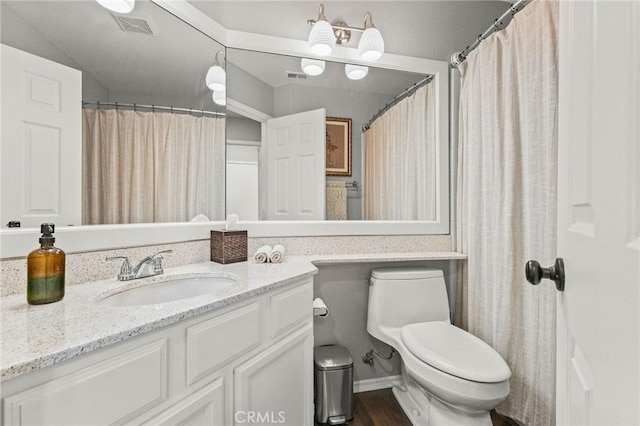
x,y
536,273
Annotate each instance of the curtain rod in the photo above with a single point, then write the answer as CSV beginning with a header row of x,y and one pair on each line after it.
x,y
410,91
499,24
153,108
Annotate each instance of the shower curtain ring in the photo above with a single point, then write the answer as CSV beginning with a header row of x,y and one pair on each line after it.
x,y
134,106
116,106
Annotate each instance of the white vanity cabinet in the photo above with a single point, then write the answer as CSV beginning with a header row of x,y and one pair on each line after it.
x,y
247,363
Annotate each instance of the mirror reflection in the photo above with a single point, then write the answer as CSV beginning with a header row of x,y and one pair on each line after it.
x,y
337,142
122,126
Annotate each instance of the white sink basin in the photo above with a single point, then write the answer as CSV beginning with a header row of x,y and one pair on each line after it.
x,y
167,291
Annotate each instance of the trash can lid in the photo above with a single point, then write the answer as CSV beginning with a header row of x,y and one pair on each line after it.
x,y
332,357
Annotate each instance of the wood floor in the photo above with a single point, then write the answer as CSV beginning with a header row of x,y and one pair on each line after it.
x,y
380,408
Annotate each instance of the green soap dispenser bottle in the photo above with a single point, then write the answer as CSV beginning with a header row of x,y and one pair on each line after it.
x,y
45,270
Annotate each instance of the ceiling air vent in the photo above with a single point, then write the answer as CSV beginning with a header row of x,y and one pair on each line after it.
x,y
133,25
296,75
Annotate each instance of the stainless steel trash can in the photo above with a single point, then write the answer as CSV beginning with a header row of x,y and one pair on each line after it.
x,y
334,384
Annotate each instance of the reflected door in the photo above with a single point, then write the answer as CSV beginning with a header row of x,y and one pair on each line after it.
x,y
295,153
41,145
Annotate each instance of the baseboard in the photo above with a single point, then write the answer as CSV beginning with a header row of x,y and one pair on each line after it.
x,y
376,384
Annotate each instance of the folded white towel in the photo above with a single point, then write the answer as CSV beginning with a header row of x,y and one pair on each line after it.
x,y
262,254
277,254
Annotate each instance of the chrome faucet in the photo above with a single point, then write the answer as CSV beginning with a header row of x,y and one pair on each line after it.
x,y
147,267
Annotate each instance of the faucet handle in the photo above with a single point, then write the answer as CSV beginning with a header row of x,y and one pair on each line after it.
x,y
126,272
161,252
157,261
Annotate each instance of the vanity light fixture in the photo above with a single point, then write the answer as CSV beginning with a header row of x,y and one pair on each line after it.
x,y
216,76
356,72
322,40
371,46
312,67
324,36
118,6
220,97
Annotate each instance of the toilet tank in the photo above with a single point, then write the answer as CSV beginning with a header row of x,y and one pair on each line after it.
x,y
398,297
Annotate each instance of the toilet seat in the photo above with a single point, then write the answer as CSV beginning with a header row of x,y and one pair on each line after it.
x,y
454,351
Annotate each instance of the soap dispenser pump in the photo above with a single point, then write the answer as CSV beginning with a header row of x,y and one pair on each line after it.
x,y
45,270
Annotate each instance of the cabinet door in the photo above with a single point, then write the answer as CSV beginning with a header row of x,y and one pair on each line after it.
x,y
204,407
276,386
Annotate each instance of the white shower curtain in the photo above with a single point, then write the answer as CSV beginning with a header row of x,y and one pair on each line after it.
x,y
143,167
507,203
400,161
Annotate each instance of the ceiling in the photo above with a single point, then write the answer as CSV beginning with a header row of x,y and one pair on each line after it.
x,y
425,29
175,59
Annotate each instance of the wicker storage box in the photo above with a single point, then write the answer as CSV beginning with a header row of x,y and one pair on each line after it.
x,y
228,246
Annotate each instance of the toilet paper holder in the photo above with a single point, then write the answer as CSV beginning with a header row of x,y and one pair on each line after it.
x,y
320,308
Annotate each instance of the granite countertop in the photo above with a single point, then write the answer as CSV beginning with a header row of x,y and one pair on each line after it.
x,y
34,337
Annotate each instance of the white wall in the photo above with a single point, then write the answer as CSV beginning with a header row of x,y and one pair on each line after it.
x,y
243,129
247,89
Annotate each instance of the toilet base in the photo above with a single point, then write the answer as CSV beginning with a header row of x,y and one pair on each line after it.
x,y
423,409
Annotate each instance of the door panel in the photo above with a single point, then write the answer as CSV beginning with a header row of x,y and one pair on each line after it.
x,y
598,380
295,172
41,146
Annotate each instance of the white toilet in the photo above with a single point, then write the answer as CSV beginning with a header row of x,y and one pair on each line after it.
x,y
449,377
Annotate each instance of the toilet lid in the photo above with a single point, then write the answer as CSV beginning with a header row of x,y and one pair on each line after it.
x,y
454,351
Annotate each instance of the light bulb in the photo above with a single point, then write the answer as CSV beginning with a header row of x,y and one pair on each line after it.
x,y
216,78
322,40
356,72
118,6
220,98
371,45
312,67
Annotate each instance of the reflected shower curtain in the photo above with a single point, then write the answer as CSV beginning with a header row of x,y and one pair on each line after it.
x,y
507,203
400,161
143,167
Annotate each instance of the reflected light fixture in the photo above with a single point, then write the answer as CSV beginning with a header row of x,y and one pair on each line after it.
x,y
324,36
322,40
118,6
312,67
356,72
216,76
220,97
371,46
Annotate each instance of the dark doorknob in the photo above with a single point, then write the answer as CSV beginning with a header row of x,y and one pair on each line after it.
x,y
536,273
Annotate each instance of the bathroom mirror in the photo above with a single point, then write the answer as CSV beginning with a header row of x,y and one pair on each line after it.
x,y
152,144
81,16
382,172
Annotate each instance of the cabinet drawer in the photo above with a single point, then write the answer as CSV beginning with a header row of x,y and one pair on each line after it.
x,y
291,307
214,342
103,393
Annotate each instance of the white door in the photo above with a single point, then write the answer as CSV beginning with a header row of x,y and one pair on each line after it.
x,y
41,146
295,172
599,213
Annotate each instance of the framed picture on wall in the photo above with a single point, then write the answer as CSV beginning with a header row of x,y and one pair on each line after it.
x,y
338,162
